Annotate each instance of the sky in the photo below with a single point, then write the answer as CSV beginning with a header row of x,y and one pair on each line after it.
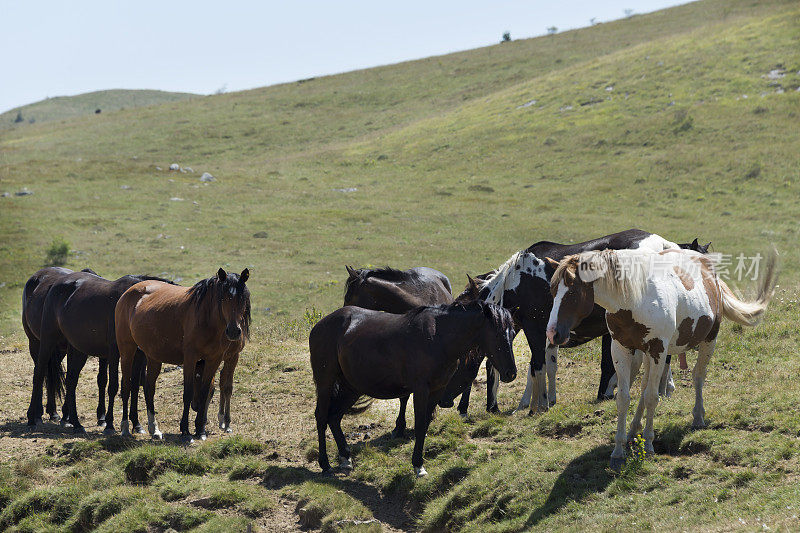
x,y
56,48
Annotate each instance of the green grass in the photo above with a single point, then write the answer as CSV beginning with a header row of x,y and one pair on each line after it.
x,y
451,172
61,108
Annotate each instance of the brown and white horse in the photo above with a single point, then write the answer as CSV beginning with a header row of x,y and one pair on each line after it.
x,y
207,322
661,303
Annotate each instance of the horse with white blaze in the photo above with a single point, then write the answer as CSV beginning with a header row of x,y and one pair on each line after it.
x,y
661,303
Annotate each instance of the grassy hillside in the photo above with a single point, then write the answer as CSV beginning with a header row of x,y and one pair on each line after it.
x,y
681,122
66,107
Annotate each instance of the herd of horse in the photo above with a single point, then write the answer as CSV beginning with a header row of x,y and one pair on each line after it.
x,y
400,332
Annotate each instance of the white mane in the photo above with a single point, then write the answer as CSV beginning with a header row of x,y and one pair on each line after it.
x,y
622,273
507,276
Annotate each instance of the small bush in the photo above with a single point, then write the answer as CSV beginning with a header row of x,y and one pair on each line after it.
x,y
56,254
222,448
145,464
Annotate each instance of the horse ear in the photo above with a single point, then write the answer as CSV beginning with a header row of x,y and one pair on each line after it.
x,y
221,274
350,271
553,263
244,276
705,248
472,283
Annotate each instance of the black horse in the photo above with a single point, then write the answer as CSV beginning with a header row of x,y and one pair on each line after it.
x,y
397,291
33,296
522,285
359,352
77,316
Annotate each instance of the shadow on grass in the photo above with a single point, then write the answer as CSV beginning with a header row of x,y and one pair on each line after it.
x,y
585,475
669,441
277,477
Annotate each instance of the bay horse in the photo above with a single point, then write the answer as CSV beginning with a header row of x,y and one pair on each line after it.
x,y
359,352
399,291
522,285
660,303
76,316
33,296
207,322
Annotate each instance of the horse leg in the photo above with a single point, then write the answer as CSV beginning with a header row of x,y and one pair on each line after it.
x,y
153,370
400,425
102,381
137,379
525,401
75,363
463,403
338,407
321,416
551,364
704,352
607,377
34,346
188,392
492,385
665,383
421,421
113,360
537,341
650,394
622,365
225,393
47,356
203,399
636,422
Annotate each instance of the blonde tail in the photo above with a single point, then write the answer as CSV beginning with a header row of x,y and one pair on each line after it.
x,y
751,313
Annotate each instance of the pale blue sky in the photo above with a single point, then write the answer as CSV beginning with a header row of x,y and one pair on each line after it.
x,y
56,48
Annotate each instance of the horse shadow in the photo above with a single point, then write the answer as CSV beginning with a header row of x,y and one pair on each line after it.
x,y
585,475
387,512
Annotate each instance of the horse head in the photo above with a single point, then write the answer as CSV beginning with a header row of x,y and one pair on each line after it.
x,y
234,303
495,339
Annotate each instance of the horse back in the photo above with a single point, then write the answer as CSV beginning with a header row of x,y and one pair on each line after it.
x,y
33,297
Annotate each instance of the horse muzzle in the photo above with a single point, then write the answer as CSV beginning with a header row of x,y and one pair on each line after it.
x,y
509,376
233,332
557,336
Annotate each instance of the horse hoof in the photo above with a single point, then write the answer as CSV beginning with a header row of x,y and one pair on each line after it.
x,y
101,423
78,430
109,430
328,472
345,463
187,440
138,429
55,417
616,463
202,437
157,435
463,416
398,433
420,472
65,423
228,430
551,403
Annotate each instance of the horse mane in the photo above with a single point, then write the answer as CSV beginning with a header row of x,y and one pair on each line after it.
x,y
145,277
507,275
388,273
622,273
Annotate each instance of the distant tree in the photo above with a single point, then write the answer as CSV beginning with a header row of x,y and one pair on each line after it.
x,y
507,37
19,117
551,30
593,21
97,111
222,89
628,13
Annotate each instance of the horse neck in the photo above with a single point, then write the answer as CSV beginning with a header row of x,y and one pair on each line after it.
x,y
608,300
209,310
460,329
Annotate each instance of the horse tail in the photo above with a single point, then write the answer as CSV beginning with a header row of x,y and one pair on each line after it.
x,y
54,378
752,312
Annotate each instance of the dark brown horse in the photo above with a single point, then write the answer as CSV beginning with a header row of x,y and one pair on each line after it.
x,y
208,322
76,316
33,296
396,291
359,352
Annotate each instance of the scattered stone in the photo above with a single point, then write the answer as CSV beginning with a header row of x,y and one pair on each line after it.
x,y
775,74
23,192
660,64
672,103
779,91
196,203
206,177
125,187
346,189
609,89
565,108
5,194
174,166
159,168
189,169
175,199
527,104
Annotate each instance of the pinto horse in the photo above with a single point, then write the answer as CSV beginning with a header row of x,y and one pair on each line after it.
x,y
396,291
660,303
522,285
75,315
359,352
207,322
